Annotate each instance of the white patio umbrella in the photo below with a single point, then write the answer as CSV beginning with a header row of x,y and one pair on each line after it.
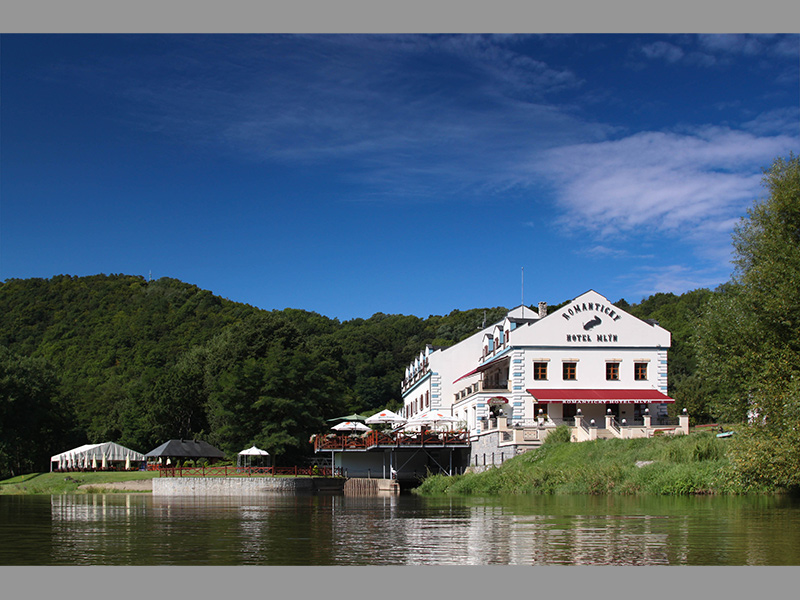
x,y
385,416
127,462
103,462
430,417
94,462
350,426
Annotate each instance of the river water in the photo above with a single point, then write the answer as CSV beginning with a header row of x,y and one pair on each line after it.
x,y
282,529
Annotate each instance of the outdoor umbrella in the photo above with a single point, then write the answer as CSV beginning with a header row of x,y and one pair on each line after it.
x,y
127,462
104,464
94,462
353,417
431,417
385,416
350,426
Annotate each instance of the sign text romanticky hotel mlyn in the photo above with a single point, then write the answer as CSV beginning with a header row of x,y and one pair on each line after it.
x,y
573,310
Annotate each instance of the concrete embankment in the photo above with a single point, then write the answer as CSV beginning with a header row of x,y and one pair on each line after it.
x,y
244,486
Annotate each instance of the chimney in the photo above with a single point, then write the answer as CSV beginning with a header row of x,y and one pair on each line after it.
x,y
542,309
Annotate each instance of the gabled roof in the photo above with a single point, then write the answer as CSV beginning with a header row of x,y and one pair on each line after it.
x,y
185,449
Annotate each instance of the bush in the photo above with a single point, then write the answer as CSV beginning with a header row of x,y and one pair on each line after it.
x,y
559,435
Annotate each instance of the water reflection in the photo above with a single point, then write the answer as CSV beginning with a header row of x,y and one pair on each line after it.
x,y
283,529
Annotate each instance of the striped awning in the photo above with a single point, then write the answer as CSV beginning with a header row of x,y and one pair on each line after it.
x,y
611,396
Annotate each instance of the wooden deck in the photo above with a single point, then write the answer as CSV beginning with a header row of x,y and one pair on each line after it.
x,y
374,440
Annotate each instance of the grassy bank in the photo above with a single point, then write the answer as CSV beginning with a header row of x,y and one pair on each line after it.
x,y
66,483
699,463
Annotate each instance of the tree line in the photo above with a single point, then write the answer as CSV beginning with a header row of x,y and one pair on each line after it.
x,y
121,358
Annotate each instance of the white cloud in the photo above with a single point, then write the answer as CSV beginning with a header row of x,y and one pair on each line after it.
x,y
691,185
660,49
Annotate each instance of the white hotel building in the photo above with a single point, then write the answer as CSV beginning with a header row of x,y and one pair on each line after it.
x,y
589,364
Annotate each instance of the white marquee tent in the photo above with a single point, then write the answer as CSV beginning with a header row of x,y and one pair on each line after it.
x,y
104,454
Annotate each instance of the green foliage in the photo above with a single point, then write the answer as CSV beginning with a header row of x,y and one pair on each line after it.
x,y
559,435
749,338
669,465
140,362
680,316
34,419
766,459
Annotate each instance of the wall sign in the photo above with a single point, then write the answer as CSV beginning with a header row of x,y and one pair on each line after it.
x,y
577,308
601,338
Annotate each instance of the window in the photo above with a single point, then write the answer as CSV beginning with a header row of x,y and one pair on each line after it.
x,y
640,371
569,371
540,370
612,371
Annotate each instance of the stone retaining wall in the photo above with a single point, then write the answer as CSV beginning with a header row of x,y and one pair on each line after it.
x,y
243,486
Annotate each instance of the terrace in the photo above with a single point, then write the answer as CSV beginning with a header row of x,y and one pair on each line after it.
x,y
374,440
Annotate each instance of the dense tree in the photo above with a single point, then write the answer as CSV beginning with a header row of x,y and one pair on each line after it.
x,y
34,420
749,339
680,316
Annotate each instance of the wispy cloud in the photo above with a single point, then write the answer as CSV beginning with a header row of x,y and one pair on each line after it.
x,y
661,49
692,185
440,114
708,50
676,278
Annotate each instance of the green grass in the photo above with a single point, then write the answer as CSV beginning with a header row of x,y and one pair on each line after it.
x,y
66,483
667,465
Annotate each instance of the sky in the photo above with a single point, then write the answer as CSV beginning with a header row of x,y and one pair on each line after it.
x,y
395,173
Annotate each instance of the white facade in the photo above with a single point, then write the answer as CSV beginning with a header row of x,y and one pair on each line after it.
x,y
588,355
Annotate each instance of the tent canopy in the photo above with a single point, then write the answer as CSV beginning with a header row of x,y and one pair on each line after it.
x,y
253,451
111,450
185,449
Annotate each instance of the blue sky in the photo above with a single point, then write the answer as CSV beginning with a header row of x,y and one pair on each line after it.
x,y
412,174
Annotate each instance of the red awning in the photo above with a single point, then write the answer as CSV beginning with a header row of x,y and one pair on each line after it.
x,y
570,396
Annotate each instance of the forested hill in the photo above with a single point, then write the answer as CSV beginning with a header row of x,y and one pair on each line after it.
x,y
117,357
120,358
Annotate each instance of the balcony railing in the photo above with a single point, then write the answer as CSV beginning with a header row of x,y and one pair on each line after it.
x,y
375,439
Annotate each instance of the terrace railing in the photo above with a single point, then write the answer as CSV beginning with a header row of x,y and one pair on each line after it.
x,y
401,439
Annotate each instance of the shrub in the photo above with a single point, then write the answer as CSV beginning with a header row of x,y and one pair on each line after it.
x,y
559,435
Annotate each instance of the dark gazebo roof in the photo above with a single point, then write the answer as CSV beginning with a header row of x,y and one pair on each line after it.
x,y
185,449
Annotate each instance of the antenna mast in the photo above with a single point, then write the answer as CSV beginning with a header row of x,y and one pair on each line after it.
x,y
522,287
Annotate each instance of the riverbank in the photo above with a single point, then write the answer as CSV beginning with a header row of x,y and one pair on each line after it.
x,y
699,463
84,482
79,482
